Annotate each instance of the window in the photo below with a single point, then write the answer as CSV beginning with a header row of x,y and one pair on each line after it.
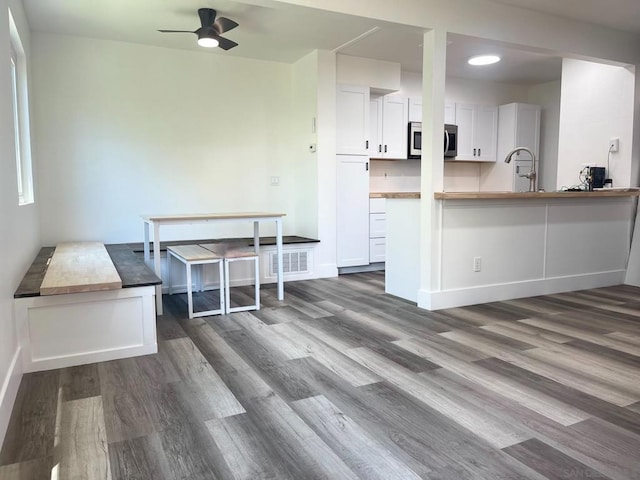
x,y
20,116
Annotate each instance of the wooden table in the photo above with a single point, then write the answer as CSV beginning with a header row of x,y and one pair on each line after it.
x,y
155,221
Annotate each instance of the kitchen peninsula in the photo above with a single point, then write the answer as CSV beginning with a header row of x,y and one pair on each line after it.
x,y
500,245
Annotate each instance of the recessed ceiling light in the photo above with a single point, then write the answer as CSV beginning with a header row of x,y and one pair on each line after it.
x,y
484,60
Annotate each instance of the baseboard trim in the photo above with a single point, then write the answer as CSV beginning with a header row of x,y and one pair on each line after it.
x,y
372,267
508,291
9,392
50,363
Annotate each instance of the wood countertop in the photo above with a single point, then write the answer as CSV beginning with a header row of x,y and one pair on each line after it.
x,y
395,195
615,192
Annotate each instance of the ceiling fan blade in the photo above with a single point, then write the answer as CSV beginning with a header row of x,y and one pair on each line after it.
x,y
226,44
207,16
223,24
176,31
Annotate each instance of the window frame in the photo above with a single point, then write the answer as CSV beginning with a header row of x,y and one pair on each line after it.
x,y
20,106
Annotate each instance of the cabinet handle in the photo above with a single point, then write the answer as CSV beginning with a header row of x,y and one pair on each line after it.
x,y
366,144
379,148
366,166
474,152
385,149
479,152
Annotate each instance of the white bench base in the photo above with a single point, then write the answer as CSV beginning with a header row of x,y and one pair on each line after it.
x,y
59,331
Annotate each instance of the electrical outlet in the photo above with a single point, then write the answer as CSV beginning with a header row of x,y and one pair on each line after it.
x,y
477,264
614,145
275,181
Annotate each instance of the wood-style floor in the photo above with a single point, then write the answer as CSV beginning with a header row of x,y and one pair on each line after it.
x,y
342,381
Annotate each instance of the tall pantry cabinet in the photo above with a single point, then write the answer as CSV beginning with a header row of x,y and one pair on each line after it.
x,y
518,126
352,182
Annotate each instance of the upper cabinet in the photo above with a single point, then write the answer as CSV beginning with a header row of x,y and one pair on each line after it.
x,y
450,113
415,109
477,132
389,127
352,120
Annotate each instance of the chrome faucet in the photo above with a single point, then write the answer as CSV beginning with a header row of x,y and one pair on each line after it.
x,y
532,174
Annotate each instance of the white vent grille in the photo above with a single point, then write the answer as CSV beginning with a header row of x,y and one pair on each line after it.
x,y
292,262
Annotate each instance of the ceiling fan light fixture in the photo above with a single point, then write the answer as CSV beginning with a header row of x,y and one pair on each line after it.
x,y
208,42
483,60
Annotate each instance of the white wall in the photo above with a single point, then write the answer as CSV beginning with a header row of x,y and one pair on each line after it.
x,y
20,239
597,104
547,95
326,251
463,90
304,134
126,129
394,176
382,76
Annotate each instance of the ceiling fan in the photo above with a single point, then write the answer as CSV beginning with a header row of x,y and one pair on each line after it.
x,y
211,29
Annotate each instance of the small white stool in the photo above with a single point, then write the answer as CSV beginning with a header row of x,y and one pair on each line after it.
x,y
230,254
195,255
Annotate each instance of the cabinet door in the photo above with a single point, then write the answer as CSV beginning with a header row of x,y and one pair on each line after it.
x,y
528,128
352,119
465,119
486,133
450,113
521,184
375,128
415,109
395,120
352,227
377,249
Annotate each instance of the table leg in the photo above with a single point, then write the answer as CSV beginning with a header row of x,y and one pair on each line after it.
x,y
147,253
157,266
256,237
279,253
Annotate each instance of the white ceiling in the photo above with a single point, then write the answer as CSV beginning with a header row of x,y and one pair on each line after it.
x,y
617,14
283,32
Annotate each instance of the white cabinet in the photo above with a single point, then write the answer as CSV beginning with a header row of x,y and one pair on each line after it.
x,y
415,109
521,184
352,120
390,127
519,126
352,226
377,230
477,132
450,113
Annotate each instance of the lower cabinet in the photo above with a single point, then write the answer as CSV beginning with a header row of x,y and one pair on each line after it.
x,y
377,230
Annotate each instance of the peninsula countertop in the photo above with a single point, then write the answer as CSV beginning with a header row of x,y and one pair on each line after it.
x,y
610,192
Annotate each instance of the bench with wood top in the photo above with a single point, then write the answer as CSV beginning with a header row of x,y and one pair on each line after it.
x,y
80,267
82,302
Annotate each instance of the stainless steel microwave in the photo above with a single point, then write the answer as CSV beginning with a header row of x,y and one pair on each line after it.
x,y
415,140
